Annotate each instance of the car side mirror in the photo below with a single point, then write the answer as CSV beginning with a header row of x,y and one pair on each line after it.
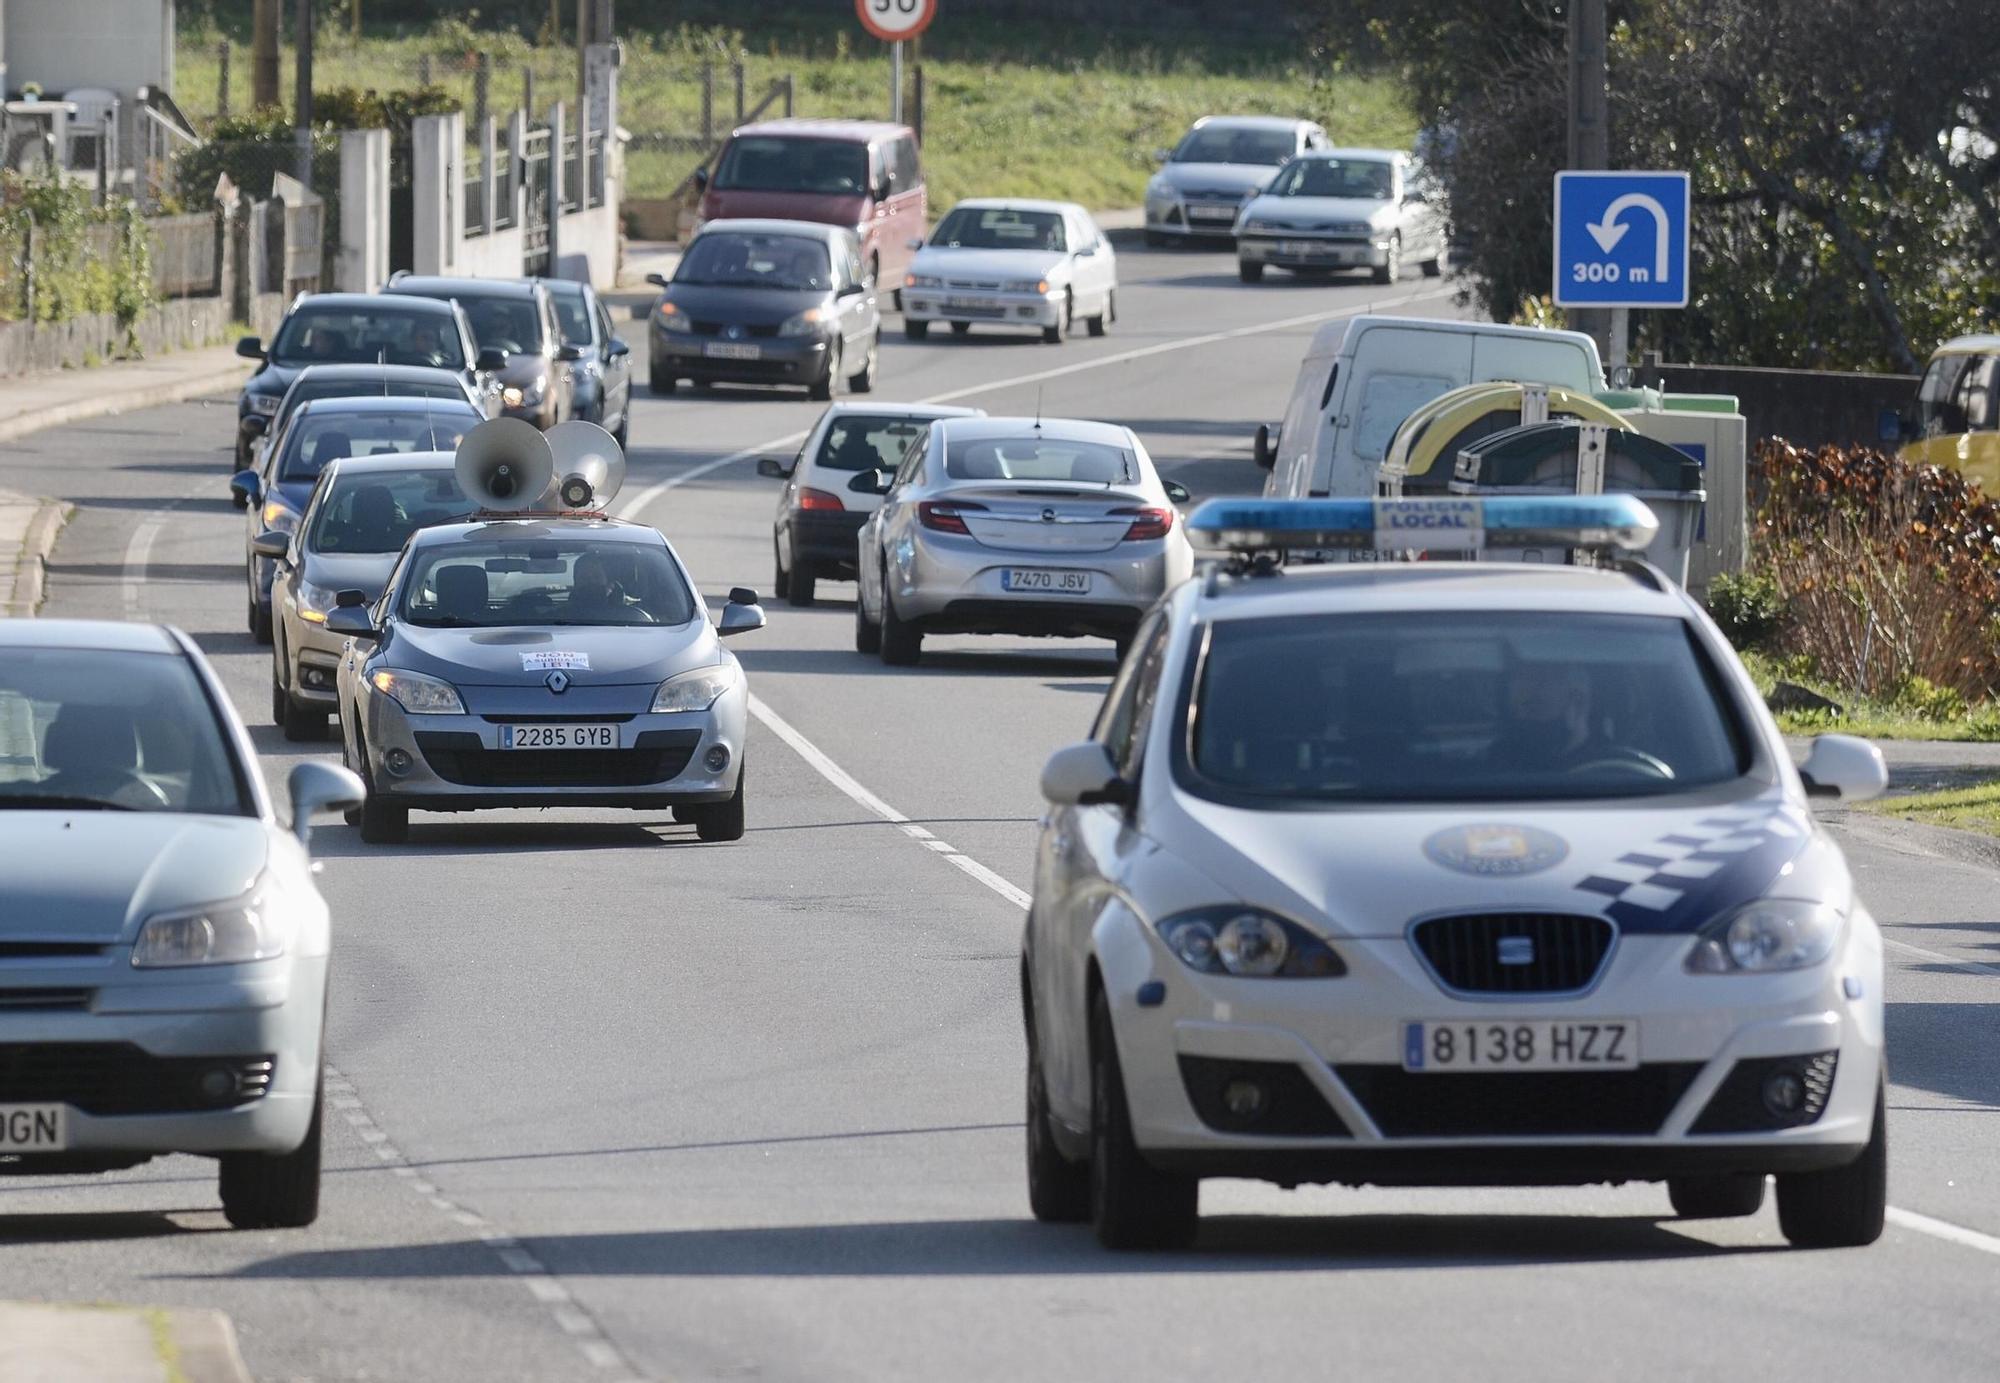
x,y
349,600
1162,155
617,348
1845,768
256,425
772,468
875,482
915,242
885,189
1176,492
1265,448
245,486
1892,426
850,290
272,543
569,353
250,347
1083,775
491,360
741,614
1414,198
316,786
351,621
658,280
701,179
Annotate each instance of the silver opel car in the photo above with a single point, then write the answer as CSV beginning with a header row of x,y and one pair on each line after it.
x,y
1036,526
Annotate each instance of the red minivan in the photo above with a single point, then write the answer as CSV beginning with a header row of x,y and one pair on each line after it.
x,y
862,174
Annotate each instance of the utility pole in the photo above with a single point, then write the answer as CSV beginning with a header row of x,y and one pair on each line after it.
x,y
1589,125
302,90
264,54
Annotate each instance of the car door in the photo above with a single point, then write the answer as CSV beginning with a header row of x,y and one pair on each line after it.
x,y
857,309
616,363
1090,254
888,523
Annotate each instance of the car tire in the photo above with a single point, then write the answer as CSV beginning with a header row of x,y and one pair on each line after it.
x,y
1057,334
864,383
898,643
781,581
685,815
915,331
799,590
1716,1197
1133,1205
961,328
274,1190
1435,266
624,431
1058,1189
1248,272
1155,239
722,821
279,700
302,723
382,822
1842,1207
1392,270
867,633
260,622
661,381
825,387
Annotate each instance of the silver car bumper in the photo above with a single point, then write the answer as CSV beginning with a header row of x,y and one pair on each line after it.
x,y
943,583
1306,252
1208,220
981,307
315,662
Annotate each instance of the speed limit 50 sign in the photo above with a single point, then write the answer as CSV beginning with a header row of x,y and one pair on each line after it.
x,y
895,20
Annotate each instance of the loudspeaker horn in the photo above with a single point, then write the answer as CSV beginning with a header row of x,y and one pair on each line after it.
x,y
589,464
505,465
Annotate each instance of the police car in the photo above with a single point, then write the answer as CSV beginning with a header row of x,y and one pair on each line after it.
x,y
1444,873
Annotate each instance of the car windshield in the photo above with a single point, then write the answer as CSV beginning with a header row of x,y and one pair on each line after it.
x,y
545,581
313,440
1459,707
116,731
1039,458
1236,144
375,511
782,163
572,315
866,444
1367,179
732,259
375,334
308,389
513,325
1001,228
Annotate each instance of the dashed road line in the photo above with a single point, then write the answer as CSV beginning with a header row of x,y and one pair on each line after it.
x,y
1971,966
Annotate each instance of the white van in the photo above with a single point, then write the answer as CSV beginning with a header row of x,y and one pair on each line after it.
x,y
1363,376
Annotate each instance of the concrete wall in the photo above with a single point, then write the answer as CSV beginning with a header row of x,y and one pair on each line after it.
x,y
120,44
364,211
588,248
498,255
91,339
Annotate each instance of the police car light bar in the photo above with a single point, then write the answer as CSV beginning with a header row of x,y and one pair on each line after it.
x,y
1443,524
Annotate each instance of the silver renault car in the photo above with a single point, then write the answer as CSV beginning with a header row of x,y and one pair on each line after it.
x,y
1038,526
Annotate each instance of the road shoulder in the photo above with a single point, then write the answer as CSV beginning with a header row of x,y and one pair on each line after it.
x,y
117,1344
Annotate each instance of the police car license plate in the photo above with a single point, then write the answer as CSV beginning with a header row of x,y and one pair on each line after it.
x,y
30,1128
1604,1044
559,737
1040,579
730,350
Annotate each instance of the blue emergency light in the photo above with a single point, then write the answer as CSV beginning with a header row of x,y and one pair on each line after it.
x,y
1441,524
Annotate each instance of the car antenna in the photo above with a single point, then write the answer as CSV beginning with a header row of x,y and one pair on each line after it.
x,y
382,365
1038,408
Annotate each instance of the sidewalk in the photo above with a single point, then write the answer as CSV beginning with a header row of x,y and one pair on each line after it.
x,y
40,1343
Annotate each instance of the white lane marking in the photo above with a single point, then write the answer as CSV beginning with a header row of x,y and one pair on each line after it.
x,y
1942,959
636,505
1944,1229
575,1322
845,781
138,552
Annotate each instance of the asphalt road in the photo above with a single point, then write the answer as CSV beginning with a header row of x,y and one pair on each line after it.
x,y
612,1104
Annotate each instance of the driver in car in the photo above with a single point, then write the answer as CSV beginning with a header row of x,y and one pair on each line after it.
x,y
1546,722
425,346
595,597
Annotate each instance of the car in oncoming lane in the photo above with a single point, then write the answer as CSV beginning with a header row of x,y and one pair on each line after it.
x,y
1450,872
1219,163
1372,209
1013,263
1046,527
813,534
163,943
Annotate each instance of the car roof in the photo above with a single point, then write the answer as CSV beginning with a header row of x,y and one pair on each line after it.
x,y
1017,204
1066,429
358,301
107,635
903,410
433,286
403,461
1251,122
1332,335
771,225
1406,587
415,374
577,286
850,131
502,526
1979,344
381,403
1357,152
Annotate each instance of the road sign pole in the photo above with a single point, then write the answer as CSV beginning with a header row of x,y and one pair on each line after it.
x,y
896,81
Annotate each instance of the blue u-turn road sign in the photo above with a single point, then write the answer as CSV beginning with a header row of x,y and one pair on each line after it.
x,y
1621,239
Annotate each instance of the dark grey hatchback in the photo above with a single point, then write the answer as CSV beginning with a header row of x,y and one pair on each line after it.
x,y
767,302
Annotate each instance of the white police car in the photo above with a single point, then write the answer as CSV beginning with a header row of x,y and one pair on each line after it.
x,y
1446,873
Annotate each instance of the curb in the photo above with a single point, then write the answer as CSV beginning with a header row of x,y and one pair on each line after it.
x,y
204,1344
122,401
76,1342
31,561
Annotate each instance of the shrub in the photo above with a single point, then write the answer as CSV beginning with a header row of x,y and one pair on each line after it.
x,y
84,259
1748,607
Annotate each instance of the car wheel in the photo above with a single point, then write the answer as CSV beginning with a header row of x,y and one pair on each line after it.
x,y
867,633
781,583
302,723
279,699
961,328
662,382
1156,238
685,815
1101,323
1437,263
1716,1197
799,593
1121,646
864,383
1056,334
1842,1207
352,816
1249,272
1391,268
382,822
898,643
274,1190
624,429
723,820
1133,1205
915,331
828,384
1058,1189
260,622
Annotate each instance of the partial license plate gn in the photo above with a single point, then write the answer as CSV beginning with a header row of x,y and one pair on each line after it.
x,y
1044,580
1212,213
1600,1044
559,737
33,1128
730,350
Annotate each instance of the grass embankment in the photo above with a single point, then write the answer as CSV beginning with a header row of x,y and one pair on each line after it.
x,y
1078,128
1976,808
1869,716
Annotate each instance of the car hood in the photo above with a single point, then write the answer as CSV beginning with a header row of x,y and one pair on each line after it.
x,y
751,307
595,655
94,876
1652,868
272,379
523,369
1307,213
987,264
1234,179
827,208
292,493
366,572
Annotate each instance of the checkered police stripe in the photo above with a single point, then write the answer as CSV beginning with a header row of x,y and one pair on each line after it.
x,y
1680,881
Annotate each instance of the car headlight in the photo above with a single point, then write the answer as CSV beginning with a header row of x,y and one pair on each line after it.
x,y
224,933
418,694
807,323
672,319
1248,943
1253,223
1769,934
315,601
696,690
280,516
922,281
518,396
1025,286
267,404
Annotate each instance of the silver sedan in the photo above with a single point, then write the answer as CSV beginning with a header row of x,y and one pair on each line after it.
x,y
1035,526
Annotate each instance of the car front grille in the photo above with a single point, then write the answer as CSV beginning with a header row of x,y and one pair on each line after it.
x,y
49,950
1519,1104
1514,952
657,756
702,328
984,311
112,1078
45,1000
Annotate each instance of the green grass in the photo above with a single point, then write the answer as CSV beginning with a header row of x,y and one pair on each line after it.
x,y
1868,716
1081,130
1964,809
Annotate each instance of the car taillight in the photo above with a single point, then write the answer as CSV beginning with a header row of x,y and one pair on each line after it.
x,y
944,516
819,499
1146,523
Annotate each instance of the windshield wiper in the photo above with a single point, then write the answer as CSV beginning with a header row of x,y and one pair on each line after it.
x,y
49,802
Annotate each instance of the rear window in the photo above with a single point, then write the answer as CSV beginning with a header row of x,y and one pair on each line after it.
x,y
311,442
783,163
374,513
1039,458
376,334
866,444
1455,707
